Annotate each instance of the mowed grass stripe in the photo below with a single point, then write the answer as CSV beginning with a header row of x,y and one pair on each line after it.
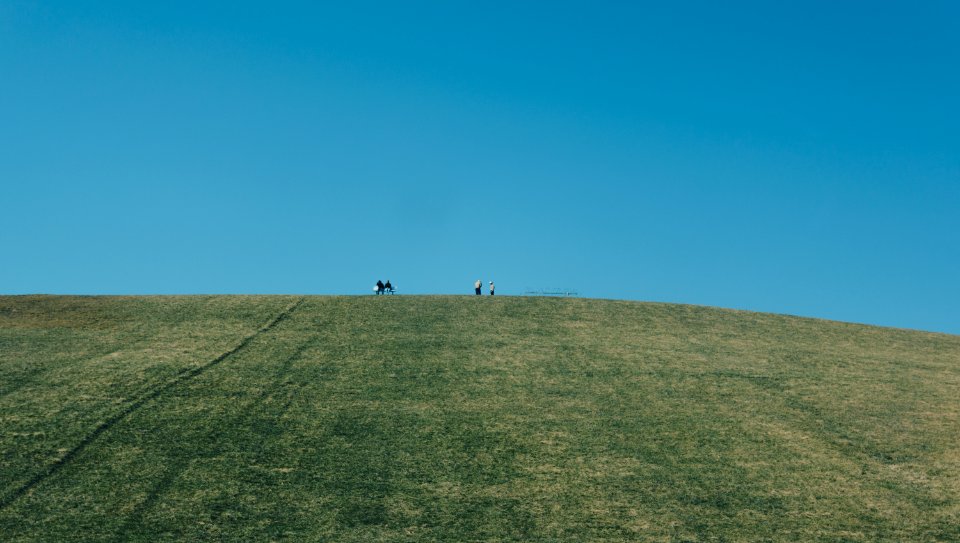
x,y
135,404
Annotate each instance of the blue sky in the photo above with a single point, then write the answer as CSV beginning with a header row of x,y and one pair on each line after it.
x,y
790,157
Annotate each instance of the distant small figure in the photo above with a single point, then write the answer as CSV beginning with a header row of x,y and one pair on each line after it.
x,y
491,288
388,287
379,286
477,286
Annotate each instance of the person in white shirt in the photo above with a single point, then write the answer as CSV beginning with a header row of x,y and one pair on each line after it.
x,y
491,288
477,286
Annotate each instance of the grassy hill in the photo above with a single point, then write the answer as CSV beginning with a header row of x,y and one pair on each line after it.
x,y
468,419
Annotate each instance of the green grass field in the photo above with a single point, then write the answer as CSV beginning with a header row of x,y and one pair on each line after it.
x,y
264,418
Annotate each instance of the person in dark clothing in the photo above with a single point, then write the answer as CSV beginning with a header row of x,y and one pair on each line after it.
x,y
379,286
388,287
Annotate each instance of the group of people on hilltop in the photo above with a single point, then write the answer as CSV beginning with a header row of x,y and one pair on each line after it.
x,y
384,288
479,285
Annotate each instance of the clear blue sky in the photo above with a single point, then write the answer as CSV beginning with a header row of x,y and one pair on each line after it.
x,y
793,157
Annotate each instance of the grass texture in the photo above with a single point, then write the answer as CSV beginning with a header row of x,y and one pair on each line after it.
x,y
272,418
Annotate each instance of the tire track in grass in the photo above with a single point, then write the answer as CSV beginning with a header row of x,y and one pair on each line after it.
x,y
134,522
181,377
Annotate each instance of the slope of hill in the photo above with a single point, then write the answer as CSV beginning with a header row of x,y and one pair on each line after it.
x,y
468,419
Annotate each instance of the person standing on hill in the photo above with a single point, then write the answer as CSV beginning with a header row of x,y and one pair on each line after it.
x,y
379,286
491,288
477,286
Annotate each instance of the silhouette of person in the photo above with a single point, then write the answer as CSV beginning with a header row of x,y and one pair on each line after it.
x,y
388,286
379,286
